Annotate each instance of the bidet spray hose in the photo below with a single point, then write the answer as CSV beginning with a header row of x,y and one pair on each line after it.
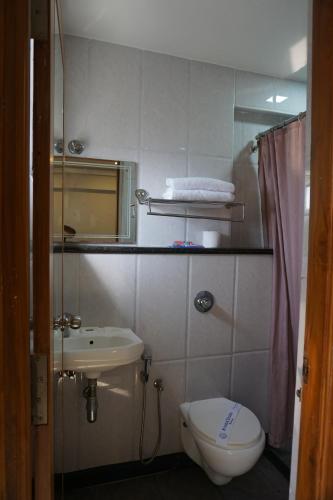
x,y
158,384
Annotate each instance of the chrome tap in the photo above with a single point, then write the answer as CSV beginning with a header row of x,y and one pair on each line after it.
x,y
66,322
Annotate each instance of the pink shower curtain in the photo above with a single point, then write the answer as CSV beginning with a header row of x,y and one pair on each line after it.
x,y
281,181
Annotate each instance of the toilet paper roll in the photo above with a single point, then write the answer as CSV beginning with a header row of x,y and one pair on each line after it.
x,y
211,239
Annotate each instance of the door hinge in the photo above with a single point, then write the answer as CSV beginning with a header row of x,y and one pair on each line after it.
x,y
305,370
39,384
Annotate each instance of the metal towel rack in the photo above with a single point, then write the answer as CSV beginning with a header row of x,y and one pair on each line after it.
x,y
144,199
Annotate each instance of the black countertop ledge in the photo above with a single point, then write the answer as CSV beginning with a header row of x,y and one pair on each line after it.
x,y
104,248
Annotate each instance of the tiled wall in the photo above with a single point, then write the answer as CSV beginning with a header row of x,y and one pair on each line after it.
x,y
174,117
248,123
220,353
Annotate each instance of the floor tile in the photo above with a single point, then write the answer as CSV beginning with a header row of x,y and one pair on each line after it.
x,y
186,484
263,482
140,488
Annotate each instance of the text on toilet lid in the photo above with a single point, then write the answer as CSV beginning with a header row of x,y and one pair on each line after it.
x,y
225,428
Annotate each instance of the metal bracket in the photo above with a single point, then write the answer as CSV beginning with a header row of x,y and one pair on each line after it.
x,y
39,383
144,199
142,196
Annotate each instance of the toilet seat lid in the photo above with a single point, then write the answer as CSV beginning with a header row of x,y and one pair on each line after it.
x,y
206,417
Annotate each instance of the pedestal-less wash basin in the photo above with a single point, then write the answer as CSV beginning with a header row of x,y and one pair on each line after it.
x,y
93,350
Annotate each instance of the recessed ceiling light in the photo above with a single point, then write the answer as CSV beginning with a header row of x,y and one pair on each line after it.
x,y
276,98
280,98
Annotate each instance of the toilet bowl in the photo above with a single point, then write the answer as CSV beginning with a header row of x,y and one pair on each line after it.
x,y
201,423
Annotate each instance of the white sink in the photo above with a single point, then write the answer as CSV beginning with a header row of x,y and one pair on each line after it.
x,y
93,350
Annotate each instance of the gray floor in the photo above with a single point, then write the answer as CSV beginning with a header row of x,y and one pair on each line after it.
x,y
263,482
284,455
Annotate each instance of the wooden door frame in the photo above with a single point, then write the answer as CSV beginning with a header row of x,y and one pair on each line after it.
x,y
15,413
315,457
315,463
43,33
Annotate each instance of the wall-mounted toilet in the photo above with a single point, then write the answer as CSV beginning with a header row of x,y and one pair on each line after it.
x,y
234,454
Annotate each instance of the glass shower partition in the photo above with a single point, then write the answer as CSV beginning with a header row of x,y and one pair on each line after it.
x,y
58,246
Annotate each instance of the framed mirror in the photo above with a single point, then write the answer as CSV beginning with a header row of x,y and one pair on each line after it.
x,y
98,203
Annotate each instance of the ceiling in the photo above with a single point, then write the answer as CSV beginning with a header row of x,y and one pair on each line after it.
x,y
263,36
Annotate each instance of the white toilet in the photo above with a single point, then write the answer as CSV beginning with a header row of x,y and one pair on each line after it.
x,y
200,426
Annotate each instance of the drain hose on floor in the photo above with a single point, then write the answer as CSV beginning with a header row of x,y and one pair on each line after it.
x,y
143,419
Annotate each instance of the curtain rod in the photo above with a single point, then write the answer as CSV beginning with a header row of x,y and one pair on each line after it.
x,y
277,127
281,125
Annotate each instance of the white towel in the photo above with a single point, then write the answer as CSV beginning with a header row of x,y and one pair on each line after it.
x,y
197,195
201,183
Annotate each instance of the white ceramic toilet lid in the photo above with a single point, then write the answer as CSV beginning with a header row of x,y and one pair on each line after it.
x,y
206,417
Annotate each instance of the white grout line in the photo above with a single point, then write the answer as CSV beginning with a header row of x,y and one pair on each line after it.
x,y
234,319
188,108
136,293
137,284
187,331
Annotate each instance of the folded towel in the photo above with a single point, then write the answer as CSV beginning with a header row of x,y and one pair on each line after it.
x,y
205,183
197,195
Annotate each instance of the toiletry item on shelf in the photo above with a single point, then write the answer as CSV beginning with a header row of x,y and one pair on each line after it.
x,y
201,183
198,195
211,239
184,244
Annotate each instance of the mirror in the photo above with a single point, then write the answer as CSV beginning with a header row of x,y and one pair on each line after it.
x,y
186,102
98,200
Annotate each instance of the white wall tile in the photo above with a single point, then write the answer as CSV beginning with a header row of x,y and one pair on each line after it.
x,y
210,332
149,108
252,90
154,168
107,290
76,88
208,378
253,302
110,439
161,304
71,282
249,123
206,166
159,232
250,383
247,234
57,284
164,105
211,110
195,228
113,109
109,152
173,376
66,276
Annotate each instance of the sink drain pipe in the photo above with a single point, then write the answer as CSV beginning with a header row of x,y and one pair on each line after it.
x,y
90,393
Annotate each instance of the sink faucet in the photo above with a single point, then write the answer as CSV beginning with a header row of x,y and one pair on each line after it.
x,y
66,322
